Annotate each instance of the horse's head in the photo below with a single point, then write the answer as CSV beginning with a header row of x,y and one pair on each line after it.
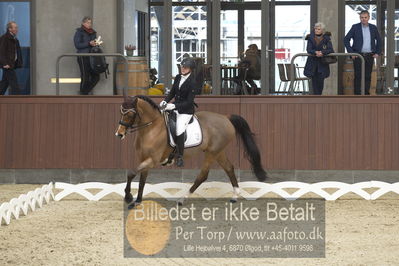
x,y
129,114
135,110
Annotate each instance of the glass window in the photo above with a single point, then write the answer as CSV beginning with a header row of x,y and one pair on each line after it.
x,y
156,36
188,1
292,26
189,33
229,37
253,30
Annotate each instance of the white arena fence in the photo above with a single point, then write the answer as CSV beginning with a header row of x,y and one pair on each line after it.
x,y
44,194
24,202
262,189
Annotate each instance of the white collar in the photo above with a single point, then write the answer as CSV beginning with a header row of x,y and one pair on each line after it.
x,y
185,76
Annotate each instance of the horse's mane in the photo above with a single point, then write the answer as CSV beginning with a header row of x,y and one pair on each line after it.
x,y
129,103
148,100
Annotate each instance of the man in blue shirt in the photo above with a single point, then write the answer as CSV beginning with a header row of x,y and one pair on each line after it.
x,y
367,42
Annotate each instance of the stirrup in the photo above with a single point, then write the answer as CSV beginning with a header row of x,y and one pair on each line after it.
x,y
179,161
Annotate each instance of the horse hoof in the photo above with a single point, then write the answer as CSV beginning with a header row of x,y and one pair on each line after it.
x,y
180,202
133,205
128,198
233,200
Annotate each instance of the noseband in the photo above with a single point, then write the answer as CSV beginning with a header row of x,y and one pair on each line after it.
x,y
131,126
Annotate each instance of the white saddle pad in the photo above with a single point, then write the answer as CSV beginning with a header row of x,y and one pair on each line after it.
x,y
194,135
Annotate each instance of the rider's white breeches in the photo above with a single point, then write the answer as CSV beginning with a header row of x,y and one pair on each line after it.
x,y
182,121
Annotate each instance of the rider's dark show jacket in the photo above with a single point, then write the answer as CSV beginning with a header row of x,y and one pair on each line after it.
x,y
184,97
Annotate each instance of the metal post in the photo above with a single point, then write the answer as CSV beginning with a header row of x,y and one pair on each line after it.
x,y
292,74
313,13
390,52
265,67
57,67
241,31
216,77
167,43
340,44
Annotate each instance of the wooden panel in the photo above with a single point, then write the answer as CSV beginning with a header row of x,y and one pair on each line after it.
x,y
326,133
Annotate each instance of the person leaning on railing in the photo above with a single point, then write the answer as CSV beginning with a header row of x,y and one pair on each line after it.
x,y
367,42
84,40
319,44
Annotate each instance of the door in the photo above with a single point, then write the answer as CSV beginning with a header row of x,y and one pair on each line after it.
x,y
243,24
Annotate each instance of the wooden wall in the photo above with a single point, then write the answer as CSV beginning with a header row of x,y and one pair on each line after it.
x,y
299,132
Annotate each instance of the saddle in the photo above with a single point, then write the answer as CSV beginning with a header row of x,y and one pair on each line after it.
x,y
192,136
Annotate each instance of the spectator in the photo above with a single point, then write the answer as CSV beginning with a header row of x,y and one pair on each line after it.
x,y
367,42
10,59
84,40
319,44
250,61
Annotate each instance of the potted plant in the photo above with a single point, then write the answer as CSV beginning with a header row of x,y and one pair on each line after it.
x,y
130,49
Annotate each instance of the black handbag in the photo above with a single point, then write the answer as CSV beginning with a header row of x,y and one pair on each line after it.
x,y
329,59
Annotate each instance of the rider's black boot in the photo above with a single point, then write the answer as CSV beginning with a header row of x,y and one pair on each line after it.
x,y
180,150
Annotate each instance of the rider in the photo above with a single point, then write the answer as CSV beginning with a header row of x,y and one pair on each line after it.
x,y
183,90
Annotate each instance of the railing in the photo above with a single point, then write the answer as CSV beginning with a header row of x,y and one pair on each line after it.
x,y
88,55
292,74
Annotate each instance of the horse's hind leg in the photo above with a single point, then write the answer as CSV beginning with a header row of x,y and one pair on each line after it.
x,y
209,159
229,169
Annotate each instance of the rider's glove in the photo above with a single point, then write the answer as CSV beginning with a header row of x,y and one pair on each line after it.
x,y
163,104
170,107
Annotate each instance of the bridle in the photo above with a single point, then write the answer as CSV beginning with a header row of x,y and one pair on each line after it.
x,y
131,127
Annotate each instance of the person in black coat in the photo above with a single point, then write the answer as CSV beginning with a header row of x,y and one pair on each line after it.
x,y
183,90
319,44
10,59
84,40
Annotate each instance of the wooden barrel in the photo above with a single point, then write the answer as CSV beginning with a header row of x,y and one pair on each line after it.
x,y
348,78
138,77
373,84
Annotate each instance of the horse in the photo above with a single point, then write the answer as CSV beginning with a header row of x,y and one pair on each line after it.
x,y
141,114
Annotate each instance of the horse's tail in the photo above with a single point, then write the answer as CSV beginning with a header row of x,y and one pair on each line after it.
x,y
251,149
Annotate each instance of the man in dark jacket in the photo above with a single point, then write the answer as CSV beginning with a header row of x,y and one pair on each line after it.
x,y
84,40
367,42
183,90
10,59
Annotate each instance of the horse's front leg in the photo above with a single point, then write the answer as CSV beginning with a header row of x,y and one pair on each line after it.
x,y
128,196
143,167
143,178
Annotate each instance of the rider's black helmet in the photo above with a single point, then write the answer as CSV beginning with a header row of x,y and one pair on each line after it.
x,y
188,62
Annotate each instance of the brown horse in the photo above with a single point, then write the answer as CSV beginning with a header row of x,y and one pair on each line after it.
x,y
141,114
